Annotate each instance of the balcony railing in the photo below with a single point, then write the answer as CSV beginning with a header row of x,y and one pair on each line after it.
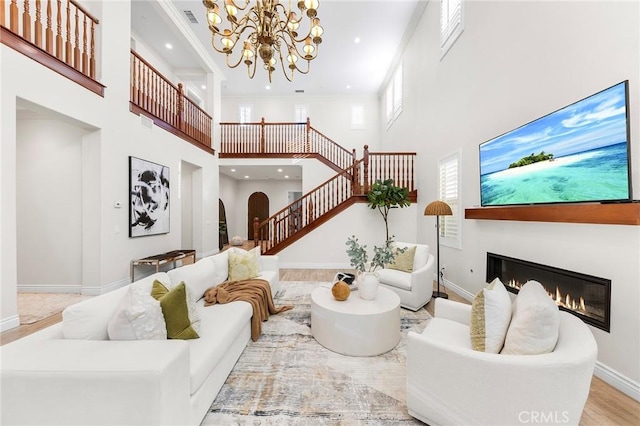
x,y
61,30
264,139
154,95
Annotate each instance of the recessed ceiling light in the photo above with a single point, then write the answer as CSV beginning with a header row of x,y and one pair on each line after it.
x,y
268,87
286,177
246,177
348,86
168,46
203,87
356,40
279,170
233,170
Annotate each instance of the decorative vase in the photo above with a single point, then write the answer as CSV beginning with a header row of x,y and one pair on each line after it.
x,y
368,283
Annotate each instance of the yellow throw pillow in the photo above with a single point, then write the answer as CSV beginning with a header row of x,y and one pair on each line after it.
x,y
175,310
244,265
403,261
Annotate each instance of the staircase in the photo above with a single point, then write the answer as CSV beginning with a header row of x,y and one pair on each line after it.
x,y
349,186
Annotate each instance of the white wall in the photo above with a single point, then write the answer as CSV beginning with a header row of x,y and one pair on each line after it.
x,y
106,248
49,205
514,62
325,246
331,116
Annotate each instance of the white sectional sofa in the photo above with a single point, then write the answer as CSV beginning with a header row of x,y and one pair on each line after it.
x,y
49,378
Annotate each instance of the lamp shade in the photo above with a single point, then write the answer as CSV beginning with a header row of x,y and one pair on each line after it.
x,y
438,208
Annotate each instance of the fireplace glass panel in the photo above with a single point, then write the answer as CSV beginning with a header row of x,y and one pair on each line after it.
x,y
585,296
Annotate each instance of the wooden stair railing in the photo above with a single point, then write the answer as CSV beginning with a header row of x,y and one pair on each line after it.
x,y
154,95
398,166
333,196
289,140
308,212
68,46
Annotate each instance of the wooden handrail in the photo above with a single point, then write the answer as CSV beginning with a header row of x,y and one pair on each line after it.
x,y
153,94
290,220
84,11
336,194
74,45
281,139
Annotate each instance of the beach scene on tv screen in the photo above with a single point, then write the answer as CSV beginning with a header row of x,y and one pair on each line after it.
x,y
578,153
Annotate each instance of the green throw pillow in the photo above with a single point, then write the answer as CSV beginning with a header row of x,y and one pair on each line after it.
x,y
403,261
175,310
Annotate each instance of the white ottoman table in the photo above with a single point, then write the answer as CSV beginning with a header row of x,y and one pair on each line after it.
x,y
355,326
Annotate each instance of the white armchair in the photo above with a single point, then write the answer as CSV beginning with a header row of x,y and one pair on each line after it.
x,y
415,288
450,383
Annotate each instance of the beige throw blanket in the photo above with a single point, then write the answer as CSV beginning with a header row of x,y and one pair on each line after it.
x,y
255,291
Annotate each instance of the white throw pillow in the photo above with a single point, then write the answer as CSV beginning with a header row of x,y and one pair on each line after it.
x,y
490,317
197,277
220,266
535,324
139,317
89,319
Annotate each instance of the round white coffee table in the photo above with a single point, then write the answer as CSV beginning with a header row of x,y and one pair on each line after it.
x,y
355,326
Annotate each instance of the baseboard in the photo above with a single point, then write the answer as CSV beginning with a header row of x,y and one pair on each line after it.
x,y
9,323
458,290
98,290
304,265
619,381
49,288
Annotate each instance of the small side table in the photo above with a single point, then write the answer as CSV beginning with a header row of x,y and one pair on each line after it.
x,y
161,259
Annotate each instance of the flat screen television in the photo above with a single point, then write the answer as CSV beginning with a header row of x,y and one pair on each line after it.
x,y
579,153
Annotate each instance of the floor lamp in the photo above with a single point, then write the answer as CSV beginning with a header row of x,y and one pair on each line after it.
x,y
437,209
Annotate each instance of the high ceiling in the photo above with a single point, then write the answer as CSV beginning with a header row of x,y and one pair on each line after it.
x,y
342,66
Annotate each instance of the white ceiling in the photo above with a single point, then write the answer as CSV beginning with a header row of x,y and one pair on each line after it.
x,y
341,62
271,172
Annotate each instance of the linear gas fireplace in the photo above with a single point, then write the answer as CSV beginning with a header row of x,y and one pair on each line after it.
x,y
585,296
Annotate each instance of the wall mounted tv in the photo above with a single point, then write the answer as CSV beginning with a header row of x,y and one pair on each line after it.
x,y
579,153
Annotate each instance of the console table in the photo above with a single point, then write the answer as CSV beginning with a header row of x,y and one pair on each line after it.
x,y
161,259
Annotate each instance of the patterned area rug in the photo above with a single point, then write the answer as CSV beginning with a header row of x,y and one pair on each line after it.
x,y
286,377
33,307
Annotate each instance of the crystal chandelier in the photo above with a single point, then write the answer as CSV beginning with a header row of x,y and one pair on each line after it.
x,y
269,29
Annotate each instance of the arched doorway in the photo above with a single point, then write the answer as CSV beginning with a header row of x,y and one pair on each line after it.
x,y
223,237
257,206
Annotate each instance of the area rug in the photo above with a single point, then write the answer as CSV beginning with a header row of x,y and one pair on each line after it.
x,y
286,377
34,307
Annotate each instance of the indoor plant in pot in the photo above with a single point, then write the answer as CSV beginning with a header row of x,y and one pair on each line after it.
x,y
368,281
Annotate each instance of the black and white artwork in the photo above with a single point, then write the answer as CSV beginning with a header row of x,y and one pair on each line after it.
x,y
149,193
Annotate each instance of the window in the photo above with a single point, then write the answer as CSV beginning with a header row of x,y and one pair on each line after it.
x,y
300,113
393,96
449,192
244,114
357,117
450,24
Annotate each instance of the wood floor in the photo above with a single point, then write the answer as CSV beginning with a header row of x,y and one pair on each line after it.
x,y
605,405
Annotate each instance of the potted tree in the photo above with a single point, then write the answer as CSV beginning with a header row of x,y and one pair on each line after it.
x,y
384,196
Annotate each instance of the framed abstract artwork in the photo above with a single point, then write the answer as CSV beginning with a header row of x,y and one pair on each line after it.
x,y
149,198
